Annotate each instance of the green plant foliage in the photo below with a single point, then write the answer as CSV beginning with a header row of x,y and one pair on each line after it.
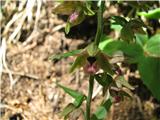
x,y
102,110
134,45
68,109
152,46
152,14
77,11
79,62
88,10
141,39
129,28
102,61
92,49
119,20
67,27
149,69
127,33
104,79
120,81
79,97
131,51
65,55
67,7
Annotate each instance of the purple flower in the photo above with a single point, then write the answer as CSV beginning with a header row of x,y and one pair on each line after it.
x,y
73,16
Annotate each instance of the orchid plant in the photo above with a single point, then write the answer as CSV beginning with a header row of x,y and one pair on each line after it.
x,y
134,43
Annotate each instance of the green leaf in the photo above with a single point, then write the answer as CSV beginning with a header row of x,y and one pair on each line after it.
x,y
149,69
116,27
92,49
67,27
88,10
101,112
68,109
65,55
79,62
152,47
75,114
136,23
141,39
102,61
67,7
79,97
152,14
131,51
104,41
104,79
120,81
127,33
119,20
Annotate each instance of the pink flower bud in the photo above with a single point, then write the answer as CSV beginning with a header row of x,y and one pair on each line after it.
x,y
91,68
117,99
73,16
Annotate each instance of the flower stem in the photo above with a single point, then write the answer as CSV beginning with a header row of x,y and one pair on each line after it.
x,y
89,98
100,23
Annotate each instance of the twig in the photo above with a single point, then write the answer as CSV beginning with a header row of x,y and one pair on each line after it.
x,y
3,50
22,74
24,49
58,27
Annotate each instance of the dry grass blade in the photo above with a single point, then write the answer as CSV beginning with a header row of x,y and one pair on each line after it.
x,y
3,60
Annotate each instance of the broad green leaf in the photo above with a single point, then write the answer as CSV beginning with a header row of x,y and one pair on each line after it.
x,y
104,41
131,51
152,47
152,14
110,46
141,39
65,55
79,97
119,20
79,62
68,109
120,81
102,111
102,61
149,69
116,27
127,33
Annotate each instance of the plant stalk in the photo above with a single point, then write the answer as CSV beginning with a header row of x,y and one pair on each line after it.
x,y
100,23
89,98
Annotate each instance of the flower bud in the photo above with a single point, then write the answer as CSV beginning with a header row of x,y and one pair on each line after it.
x,y
117,99
73,16
91,67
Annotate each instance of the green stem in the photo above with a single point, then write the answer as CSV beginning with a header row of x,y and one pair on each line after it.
x,y
89,98
100,23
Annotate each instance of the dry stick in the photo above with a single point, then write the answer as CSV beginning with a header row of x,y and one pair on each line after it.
x,y
4,47
23,50
22,74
